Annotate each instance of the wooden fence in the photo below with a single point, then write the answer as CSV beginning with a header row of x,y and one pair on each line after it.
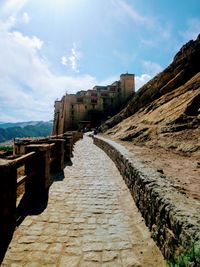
x,y
33,169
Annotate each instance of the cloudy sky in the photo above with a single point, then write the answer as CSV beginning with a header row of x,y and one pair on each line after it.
x,y
48,47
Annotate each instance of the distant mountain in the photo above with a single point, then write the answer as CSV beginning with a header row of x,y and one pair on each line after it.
x,y
9,131
6,125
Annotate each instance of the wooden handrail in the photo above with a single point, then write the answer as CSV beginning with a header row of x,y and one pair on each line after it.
x,y
23,159
23,178
46,157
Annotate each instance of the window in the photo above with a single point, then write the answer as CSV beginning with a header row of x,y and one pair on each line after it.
x,y
94,101
104,94
112,89
79,99
93,94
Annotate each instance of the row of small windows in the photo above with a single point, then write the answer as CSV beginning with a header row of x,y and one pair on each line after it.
x,y
86,107
93,102
93,94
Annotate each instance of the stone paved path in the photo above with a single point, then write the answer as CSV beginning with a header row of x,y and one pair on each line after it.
x,y
91,220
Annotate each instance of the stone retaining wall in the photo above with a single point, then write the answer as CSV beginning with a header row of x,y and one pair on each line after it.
x,y
173,218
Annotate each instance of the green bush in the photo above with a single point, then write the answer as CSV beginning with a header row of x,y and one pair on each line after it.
x,y
6,148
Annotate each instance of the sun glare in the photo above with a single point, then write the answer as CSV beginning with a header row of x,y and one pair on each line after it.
x,y
60,4
61,10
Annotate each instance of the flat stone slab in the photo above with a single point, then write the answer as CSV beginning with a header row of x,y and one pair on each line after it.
x,y
91,220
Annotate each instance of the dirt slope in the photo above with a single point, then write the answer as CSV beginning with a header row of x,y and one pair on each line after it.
x,y
162,121
184,67
171,122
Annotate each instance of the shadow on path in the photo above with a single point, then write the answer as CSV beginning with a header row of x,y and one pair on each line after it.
x,y
33,202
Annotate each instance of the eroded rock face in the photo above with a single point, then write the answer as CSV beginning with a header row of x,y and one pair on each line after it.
x,y
166,108
184,66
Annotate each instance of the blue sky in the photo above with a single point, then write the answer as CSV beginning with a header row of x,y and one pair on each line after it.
x,y
51,47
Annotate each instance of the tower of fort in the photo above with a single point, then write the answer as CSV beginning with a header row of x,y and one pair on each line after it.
x,y
89,108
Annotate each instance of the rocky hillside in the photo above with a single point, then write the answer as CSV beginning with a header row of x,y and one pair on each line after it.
x,y
165,112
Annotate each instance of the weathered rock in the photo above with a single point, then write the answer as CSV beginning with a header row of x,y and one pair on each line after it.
x,y
169,103
171,122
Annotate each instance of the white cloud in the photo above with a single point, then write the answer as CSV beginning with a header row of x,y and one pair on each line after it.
x,y
26,18
158,27
34,42
13,20
132,13
151,68
12,6
73,59
193,29
141,80
64,60
8,24
28,88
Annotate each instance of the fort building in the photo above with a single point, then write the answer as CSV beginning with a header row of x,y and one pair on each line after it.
x,y
90,108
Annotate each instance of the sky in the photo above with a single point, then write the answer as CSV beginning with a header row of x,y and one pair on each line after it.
x,y
50,48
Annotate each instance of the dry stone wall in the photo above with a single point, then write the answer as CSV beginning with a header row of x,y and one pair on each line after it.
x,y
173,218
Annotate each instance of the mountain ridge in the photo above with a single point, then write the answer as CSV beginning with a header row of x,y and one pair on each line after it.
x,y
22,124
27,129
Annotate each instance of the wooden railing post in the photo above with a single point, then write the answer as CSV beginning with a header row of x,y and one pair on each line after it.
x,y
59,151
41,165
38,180
8,185
68,145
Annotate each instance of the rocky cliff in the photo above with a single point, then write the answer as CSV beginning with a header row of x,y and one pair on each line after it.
x,y
165,112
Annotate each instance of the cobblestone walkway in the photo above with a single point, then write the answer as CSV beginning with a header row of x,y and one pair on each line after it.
x,y
90,220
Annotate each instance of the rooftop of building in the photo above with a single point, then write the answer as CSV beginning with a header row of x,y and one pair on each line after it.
x,y
127,74
97,88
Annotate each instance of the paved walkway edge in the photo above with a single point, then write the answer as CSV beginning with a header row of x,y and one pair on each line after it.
x,y
173,219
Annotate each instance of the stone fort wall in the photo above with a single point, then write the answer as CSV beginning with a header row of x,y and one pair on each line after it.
x,y
75,111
